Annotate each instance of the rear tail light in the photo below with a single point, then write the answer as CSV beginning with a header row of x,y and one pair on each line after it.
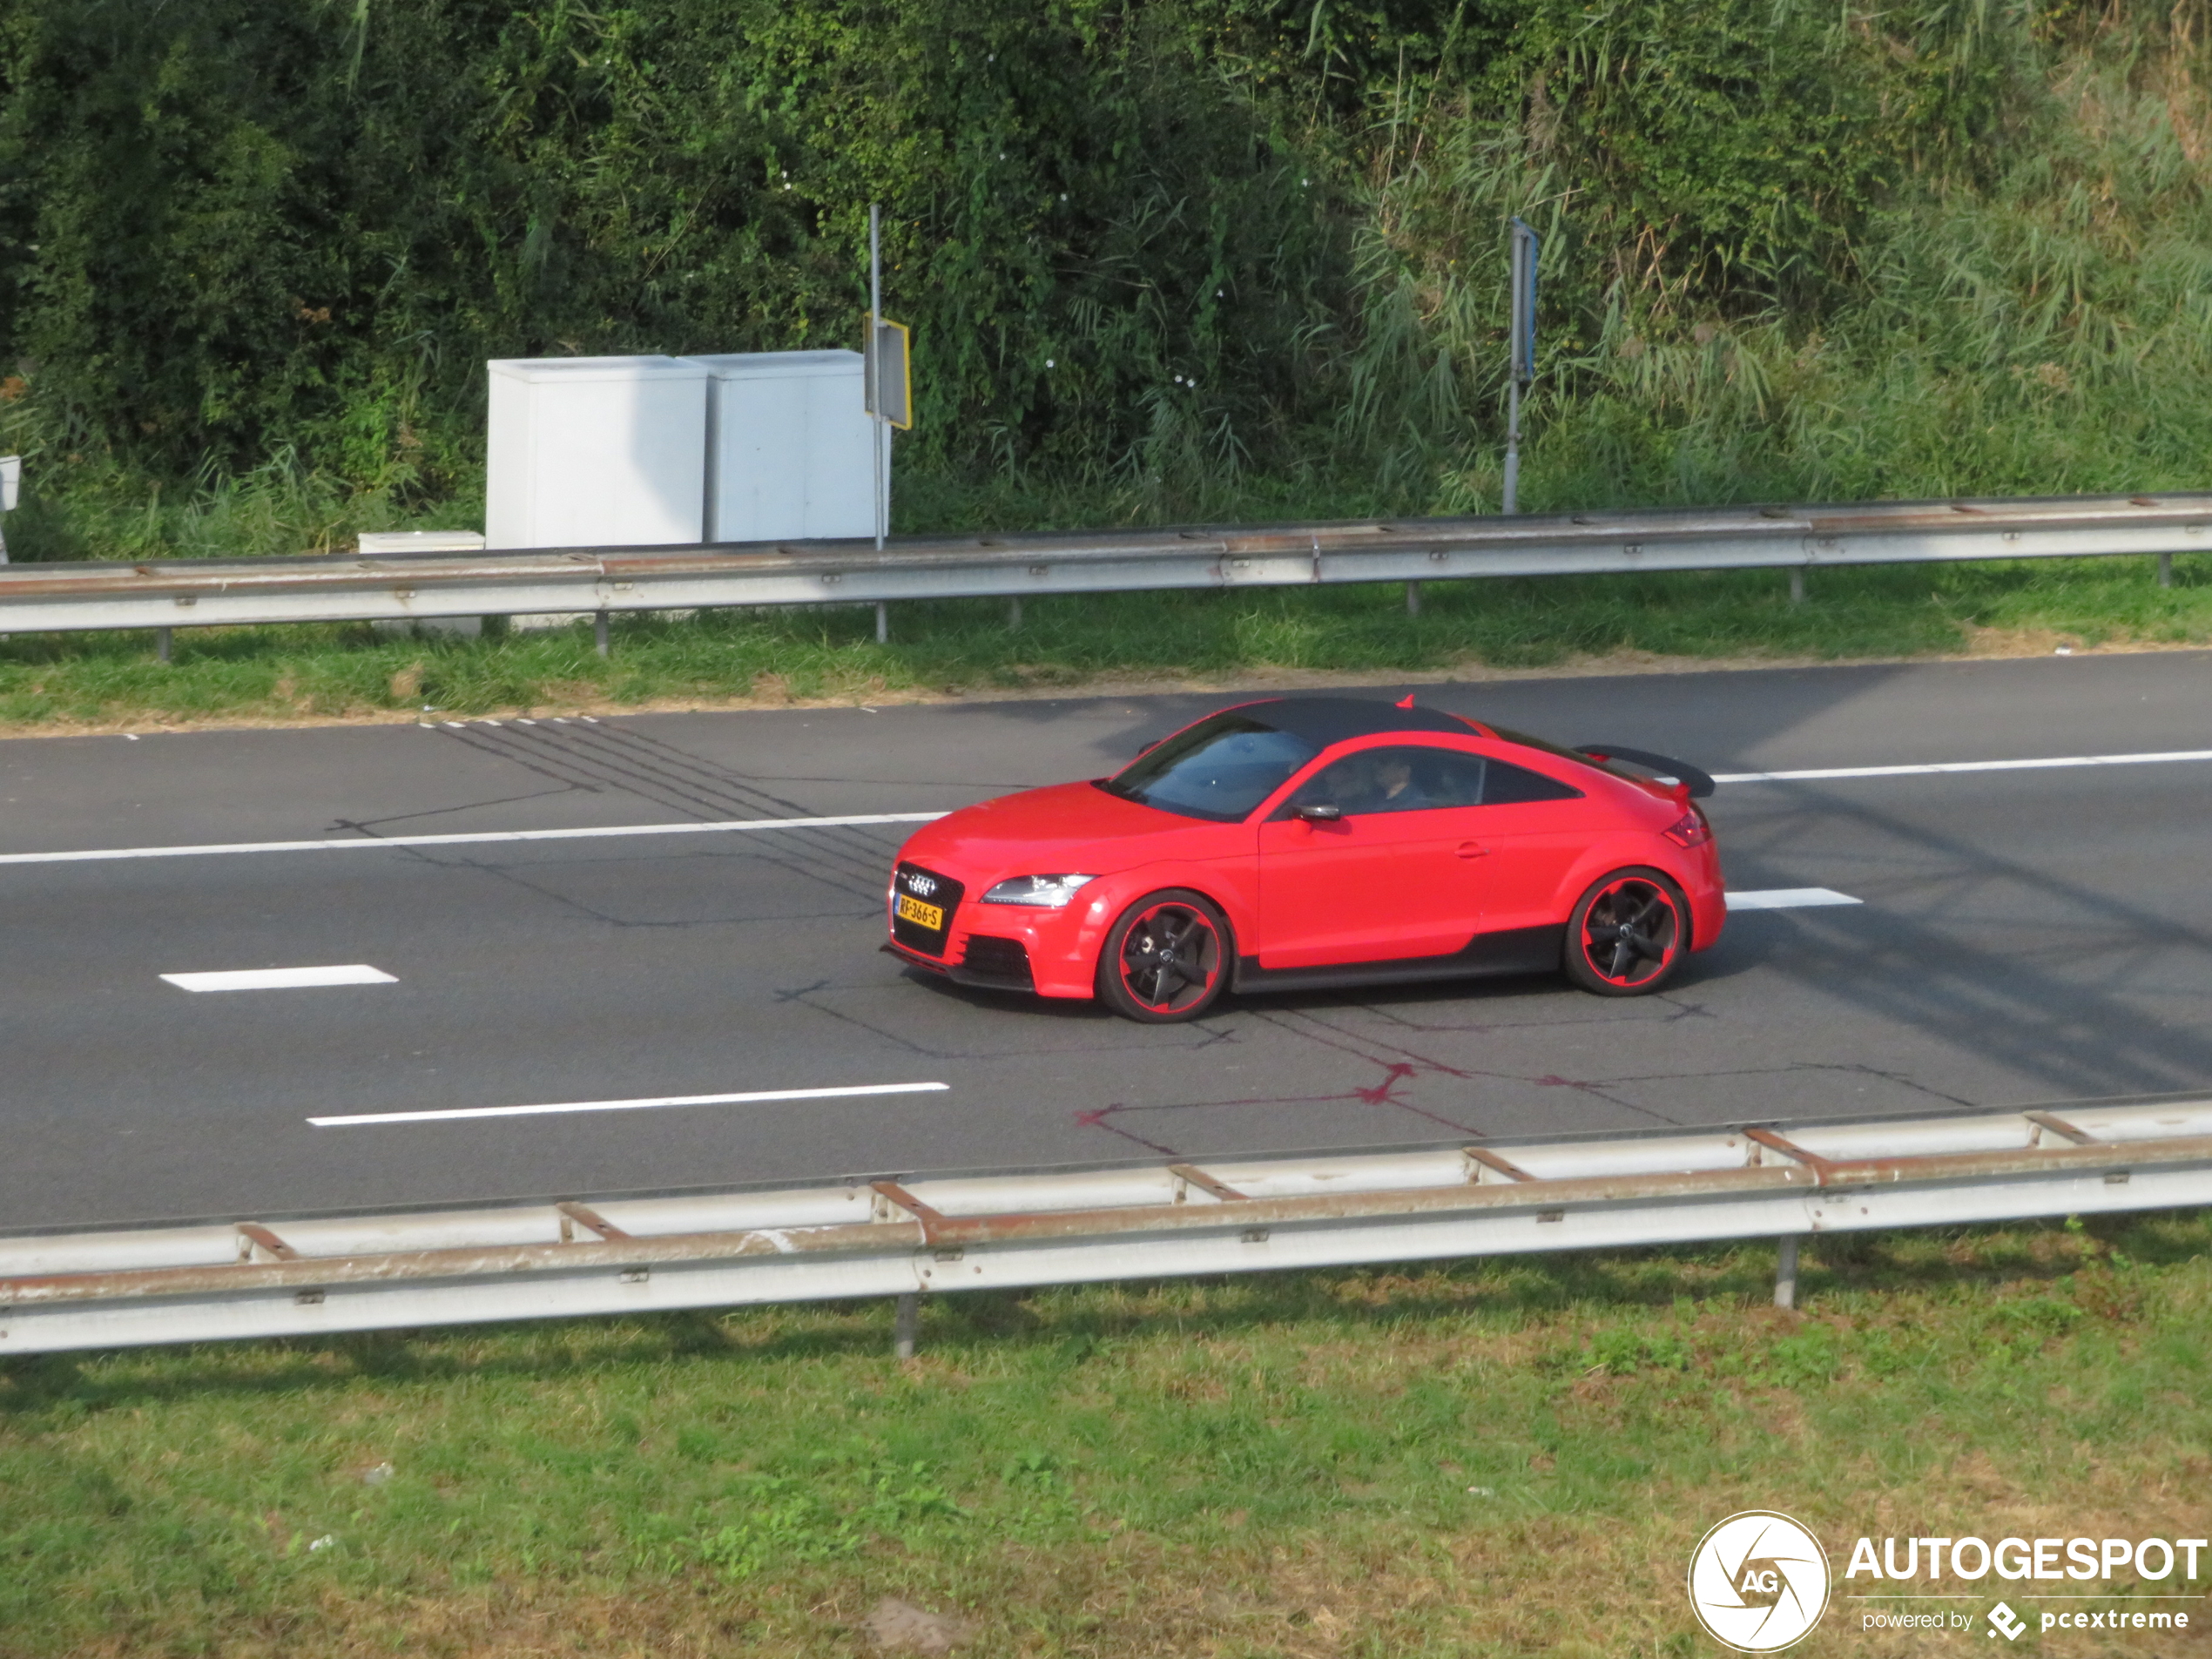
x,y
1690,830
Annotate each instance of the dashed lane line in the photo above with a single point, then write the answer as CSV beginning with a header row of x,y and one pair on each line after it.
x,y
653,1103
282,979
1788,898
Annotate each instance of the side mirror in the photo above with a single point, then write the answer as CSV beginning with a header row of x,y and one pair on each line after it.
x,y
1317,814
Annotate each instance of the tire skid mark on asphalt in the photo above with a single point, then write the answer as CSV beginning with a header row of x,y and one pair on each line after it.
x,y
1425,1063
1180,1039
717,781
1791,1069
1398,1067
1661,1008
1110,1117
601,756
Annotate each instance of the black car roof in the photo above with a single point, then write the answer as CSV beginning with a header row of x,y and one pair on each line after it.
x,y
1323,720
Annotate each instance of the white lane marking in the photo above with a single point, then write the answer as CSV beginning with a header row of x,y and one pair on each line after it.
x,y
2165,757
755,1099
98,855
1788,898
282,979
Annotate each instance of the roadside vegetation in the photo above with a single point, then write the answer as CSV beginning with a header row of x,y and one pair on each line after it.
x,y
968,648
1178,260
1501,1457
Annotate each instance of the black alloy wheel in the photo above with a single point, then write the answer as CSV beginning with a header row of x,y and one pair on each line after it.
x,y
1166,960
1629,935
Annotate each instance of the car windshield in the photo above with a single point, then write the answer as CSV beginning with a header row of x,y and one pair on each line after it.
x,y
1221,769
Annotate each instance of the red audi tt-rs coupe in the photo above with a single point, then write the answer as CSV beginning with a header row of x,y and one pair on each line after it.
x,y
1319,841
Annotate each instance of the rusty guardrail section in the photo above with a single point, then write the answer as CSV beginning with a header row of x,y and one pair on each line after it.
x,y
344,588
857,1237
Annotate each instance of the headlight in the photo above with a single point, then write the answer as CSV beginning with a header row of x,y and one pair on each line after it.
x,y
1047,891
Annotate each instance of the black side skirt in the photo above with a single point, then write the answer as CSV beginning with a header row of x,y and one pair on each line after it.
x,y
1517,950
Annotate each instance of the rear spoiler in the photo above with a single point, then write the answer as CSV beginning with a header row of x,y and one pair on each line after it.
x,y
1668,769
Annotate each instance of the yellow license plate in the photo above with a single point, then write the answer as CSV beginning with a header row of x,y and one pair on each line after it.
x,y
922,915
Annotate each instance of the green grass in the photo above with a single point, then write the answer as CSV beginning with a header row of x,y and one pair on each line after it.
x,y
1502,1457
967,646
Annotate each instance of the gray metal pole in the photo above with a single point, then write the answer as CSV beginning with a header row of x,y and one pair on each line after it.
x,y
1785,1272
599,631
1522,248
1513,447
875,356
2165,570
905,1325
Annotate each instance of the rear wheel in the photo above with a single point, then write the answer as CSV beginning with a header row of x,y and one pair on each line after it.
x,y
1166,959
1627,934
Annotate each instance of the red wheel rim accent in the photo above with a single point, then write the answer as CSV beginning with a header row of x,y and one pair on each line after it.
x,y
1631,931
1170,957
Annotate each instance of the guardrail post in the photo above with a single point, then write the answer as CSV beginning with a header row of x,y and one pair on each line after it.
x,y
599,631
882,623
1796,587
1785,1272
1413,598
2165,570
905,1325
1013,614
161,645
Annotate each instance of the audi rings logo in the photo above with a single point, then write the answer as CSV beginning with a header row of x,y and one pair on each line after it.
x,y
921,884
1758,1581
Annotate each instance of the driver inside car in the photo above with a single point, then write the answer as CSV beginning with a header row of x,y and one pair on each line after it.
x,y
1395,790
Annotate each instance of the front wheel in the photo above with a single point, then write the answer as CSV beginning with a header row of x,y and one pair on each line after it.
x,y
1627,934
1166,960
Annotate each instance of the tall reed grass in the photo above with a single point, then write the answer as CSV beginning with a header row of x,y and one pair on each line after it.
x,y
2025,308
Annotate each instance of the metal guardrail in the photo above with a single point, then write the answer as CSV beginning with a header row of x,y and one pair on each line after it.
x,y
344,588
318,1275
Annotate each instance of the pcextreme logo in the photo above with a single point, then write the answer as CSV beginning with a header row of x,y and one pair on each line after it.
x,y
1758,1581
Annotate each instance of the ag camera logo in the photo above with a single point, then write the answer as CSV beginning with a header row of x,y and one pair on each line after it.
x,y
1758,1581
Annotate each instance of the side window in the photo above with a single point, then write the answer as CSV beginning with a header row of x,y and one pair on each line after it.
x,y
1395,780
1509,785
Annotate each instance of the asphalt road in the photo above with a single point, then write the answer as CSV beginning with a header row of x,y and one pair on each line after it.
x,y
2025,935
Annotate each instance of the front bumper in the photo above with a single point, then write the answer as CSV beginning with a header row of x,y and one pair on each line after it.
x,y
1006,948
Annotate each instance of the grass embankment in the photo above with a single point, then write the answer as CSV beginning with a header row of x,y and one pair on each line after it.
x,y
966,647
1505,1457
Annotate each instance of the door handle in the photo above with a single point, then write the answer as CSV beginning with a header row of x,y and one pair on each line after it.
x,y
1473,850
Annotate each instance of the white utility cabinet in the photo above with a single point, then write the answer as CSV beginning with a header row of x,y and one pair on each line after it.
x,y
595,452
790,446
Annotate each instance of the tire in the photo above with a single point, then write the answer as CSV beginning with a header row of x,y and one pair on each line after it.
x,y
1627,934
1166,959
